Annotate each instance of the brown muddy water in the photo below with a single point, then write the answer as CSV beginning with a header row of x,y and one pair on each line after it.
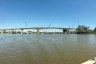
x,y
46,48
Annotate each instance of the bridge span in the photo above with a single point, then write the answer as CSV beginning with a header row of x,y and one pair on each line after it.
x,y
65,30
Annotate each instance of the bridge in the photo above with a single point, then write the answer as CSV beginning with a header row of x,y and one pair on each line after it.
x,y
65,30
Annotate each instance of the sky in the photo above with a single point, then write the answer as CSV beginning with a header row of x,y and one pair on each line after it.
x,y
41,13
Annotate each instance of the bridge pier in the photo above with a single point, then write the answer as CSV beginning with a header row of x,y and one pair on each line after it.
x,y
38,32
65,31
10,31
21,31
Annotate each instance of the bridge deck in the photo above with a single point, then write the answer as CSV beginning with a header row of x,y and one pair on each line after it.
x,y
39,28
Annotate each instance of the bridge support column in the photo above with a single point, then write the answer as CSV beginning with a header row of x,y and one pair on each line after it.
x,y
67,31
10,31
64,31
21,31
38,32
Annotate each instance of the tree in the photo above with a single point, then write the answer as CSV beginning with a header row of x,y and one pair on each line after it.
x,y
82,29
4,31
18,32
95,30
29,32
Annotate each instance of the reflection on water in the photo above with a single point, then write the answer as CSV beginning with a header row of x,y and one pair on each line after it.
x,y
46,49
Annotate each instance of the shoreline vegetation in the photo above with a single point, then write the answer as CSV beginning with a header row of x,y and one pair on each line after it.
x,y
81,29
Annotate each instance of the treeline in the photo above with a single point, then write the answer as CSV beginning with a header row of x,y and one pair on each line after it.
x,y
82,29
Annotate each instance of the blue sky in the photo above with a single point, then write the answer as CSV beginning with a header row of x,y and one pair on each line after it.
x,y
40,13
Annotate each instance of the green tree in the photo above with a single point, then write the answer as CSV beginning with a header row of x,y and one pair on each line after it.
x,y
29,32
4,31
95,30
18,32
82,29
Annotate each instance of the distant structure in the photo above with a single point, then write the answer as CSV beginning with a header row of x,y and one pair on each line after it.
x,y
64,30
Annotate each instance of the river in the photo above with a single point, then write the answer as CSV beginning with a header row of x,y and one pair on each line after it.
x,y
46,48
